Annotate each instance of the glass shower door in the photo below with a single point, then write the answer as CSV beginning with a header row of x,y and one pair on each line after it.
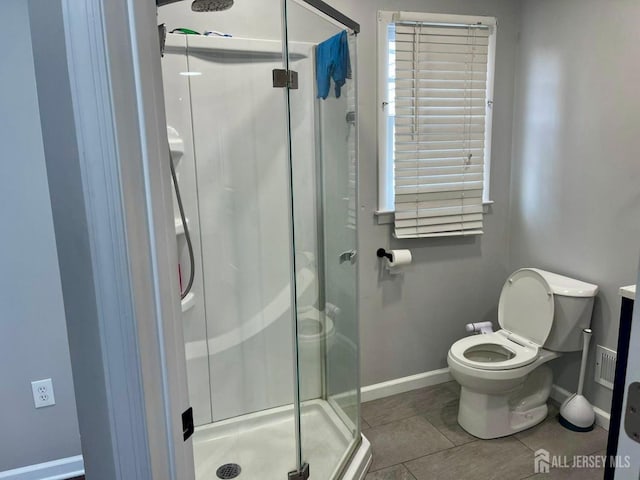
x,y
323,160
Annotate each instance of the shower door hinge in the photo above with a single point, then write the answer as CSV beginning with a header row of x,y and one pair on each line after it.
x,y
285,78
187,424
302,474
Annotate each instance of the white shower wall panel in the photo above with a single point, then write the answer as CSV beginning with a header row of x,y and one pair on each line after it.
x,y
304,153
239,124
178,111
234,181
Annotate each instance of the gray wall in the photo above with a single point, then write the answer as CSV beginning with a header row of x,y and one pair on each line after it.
x,y
408,323
33,336
575,171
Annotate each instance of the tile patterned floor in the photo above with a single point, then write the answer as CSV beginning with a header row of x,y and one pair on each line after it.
x,y
415,436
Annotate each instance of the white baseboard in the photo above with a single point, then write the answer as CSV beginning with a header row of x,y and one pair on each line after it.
x,y
404,384
559,394
55,470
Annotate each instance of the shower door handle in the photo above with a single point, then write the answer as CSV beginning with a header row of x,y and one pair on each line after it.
x,y
348,256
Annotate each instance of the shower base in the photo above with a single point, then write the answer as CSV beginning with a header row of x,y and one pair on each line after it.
x,y
263,445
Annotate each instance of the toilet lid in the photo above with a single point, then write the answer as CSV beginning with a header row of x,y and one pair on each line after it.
x,y
526,306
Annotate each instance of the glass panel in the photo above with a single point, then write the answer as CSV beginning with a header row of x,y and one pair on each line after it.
x,y
324,177
230,147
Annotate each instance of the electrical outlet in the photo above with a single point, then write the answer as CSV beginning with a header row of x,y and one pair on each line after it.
x,y
43,393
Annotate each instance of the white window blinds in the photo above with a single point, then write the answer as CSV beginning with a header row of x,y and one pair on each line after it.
x,y
440,120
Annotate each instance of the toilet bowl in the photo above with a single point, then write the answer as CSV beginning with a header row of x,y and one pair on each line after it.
x,y
504,381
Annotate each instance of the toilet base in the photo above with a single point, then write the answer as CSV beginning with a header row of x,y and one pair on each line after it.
x,y
495,415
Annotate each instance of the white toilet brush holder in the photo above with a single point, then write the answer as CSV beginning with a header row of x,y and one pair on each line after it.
x,y
576,413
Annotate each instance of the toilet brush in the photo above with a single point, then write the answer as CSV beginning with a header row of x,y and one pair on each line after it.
x,y
576,413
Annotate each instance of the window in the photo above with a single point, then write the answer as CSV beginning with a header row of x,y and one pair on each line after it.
x,y
436,97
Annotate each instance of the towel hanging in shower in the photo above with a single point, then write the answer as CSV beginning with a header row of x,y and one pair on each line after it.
x,y
332,61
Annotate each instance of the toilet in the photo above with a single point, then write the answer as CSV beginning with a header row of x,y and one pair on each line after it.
x,y
504,377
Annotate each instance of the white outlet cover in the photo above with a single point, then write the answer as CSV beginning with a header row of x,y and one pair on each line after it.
x,y
43,393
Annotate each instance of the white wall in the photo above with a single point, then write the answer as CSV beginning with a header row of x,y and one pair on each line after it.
x,y
575,171
408,323
33,336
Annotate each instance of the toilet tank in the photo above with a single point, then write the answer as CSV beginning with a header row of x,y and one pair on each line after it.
x,y
573,302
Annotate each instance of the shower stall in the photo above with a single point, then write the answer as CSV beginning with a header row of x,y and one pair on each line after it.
x,y
267,172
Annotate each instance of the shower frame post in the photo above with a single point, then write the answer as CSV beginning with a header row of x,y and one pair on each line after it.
x,y
117,267
322,9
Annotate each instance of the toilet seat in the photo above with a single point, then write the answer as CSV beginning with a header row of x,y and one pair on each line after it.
x,y
522,354
525,313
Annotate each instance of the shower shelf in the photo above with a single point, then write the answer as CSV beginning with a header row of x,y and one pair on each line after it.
x,y
180,227
188,302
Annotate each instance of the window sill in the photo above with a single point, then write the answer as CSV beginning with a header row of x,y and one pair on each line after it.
x,y
486,206
385,217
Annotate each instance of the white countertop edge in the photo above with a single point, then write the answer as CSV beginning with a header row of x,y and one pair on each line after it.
x,y
628,292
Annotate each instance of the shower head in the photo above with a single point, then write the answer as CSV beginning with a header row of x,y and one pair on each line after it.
x,y
196,6
211,5
202,5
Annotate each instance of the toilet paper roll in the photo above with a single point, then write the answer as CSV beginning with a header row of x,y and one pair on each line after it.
x,y
481,327
399,258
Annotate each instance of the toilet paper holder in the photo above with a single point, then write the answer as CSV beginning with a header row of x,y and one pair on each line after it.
x,y
382,253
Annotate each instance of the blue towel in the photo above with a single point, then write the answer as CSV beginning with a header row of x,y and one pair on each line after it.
x,y
332,61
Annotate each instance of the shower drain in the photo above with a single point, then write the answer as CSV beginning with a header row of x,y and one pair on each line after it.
x,y
228,470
